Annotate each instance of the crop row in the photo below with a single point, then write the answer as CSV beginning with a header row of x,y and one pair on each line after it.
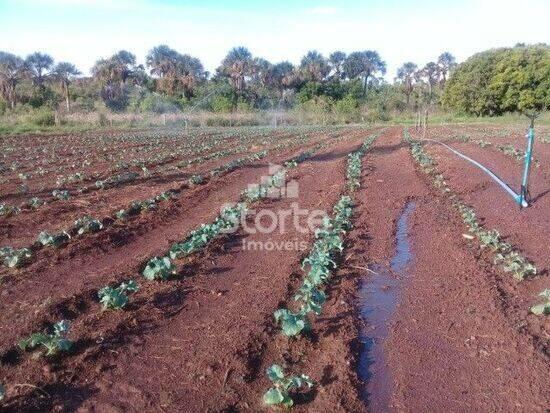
x,y
125,177
54,340
15,258
319,267
508,258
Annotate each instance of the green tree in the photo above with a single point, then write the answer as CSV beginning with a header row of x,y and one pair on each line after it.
x,y
38,64
336,61
501,80
177,73
12,70
237,66
64,73
114,74
314,67
405,76
446,62
364,65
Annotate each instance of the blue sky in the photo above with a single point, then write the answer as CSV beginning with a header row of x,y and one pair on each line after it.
x,y
81,31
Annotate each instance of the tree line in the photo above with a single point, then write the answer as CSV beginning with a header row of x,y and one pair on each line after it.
x,y
170,81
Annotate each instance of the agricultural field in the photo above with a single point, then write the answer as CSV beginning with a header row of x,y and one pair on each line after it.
x,y
317,268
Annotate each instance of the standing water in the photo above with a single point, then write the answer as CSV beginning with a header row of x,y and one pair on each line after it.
x,y
378,298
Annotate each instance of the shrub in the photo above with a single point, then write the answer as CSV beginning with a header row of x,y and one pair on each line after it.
x,y
222,104
42,117
157,104
347,108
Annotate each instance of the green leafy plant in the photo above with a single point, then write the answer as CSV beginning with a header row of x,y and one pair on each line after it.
x,y
62,195
35,203
159,268
543,308
312,299
87,224
354,170
15,257
279,393
196,180
53,342
117,298
9,210
54,240
516,264
291,323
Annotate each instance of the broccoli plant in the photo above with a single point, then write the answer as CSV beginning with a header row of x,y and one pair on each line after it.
x,y
53,342
116,298
196,180
15,257
291,323
312,299
61,195
543,308
159,268
279,394
54,240
516,264
35,203
87,224
9,210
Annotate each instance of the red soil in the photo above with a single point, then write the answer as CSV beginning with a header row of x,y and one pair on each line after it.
x,y
461,339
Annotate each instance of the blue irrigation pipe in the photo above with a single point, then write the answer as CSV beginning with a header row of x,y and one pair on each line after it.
x,y
518,198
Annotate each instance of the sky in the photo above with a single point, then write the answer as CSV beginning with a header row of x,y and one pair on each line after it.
x,y
82,31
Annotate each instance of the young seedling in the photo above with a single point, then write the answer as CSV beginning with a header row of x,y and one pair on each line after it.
x,y
543,308
279,394
61,195
116,298
35,203
54,342
54,240
312,299
159,268
15,257
87,224
291,323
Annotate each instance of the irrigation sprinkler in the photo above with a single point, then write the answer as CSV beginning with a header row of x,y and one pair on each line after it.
x,y
524,193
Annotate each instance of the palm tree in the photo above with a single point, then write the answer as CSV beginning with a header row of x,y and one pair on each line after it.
x,y
37,65
113,74
405,74
283,76
446,62
176,71
336,60
314,66
237,66
12,69
64,72
162,60
430,75
262,71
364,64
189,72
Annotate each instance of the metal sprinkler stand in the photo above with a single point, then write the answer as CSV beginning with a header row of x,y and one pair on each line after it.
x,y
524,197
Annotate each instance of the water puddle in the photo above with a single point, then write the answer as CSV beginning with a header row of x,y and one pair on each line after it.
x,y
378,297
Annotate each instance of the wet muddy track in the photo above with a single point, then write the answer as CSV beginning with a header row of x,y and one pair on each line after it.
x,y
415,320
